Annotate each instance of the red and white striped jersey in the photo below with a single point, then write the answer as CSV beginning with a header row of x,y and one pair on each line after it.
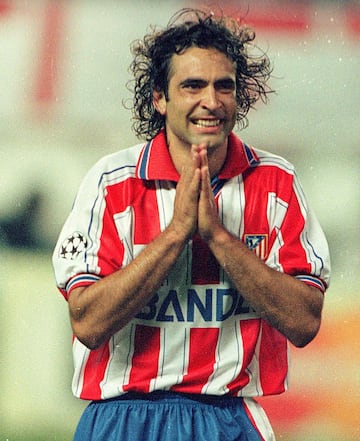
x,y
197,334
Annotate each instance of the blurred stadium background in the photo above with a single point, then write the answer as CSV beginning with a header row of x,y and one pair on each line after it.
x,y
63,70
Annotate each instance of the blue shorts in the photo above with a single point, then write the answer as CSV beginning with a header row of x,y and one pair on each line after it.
x,y
168,416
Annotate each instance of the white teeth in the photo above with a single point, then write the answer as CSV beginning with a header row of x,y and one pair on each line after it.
x,y
207,122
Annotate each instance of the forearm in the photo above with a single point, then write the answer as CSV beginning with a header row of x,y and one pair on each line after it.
x,y
100,310
286,303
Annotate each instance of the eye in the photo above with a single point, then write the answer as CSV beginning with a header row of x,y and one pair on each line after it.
x,y
193,84
225,86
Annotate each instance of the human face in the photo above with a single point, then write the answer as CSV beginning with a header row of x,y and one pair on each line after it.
x,y
201,104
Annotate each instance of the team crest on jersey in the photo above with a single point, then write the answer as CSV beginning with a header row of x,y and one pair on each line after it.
x,y
257,243
73,246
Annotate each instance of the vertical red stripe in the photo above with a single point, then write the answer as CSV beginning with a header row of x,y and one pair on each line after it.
x,y
146,209
205,268
94,373
141,196
292,255
145,360
45,85
256,188
203,344
249,330
273,360
111,250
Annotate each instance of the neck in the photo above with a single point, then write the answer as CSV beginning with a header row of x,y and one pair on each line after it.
x,y
181,157
216,160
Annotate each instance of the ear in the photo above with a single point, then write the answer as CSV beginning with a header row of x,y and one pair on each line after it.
x,y
159,102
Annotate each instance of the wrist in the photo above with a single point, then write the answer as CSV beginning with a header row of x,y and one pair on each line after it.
x,y
177,233
221,241
217,235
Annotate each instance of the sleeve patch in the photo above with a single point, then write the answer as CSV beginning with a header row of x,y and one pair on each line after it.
x,y
73,246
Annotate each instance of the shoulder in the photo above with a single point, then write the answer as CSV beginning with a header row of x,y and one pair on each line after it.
x,y
121,158
268,159
117,164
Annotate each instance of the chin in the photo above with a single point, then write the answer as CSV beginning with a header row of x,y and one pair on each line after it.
x,y
213,143
209,139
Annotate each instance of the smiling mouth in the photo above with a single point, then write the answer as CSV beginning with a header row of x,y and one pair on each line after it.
x,y
207,122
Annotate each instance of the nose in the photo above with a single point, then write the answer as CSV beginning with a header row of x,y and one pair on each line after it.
x,y
210,99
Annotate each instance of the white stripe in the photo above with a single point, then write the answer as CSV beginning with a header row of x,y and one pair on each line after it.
x,y
229,347
165,195
174,353
181,271
253,388
276,212
260,419
267,158
232,204
81,355
124,222
119,365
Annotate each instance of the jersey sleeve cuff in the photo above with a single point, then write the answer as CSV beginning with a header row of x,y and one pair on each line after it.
x,y
78,281
313,281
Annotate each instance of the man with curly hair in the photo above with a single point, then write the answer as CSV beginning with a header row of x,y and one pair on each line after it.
x,y
191,260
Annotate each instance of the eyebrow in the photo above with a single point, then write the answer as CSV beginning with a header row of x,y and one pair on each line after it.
x,y
229,83
190,81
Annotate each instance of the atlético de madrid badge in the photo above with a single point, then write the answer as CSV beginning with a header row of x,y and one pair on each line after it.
x,y
257,243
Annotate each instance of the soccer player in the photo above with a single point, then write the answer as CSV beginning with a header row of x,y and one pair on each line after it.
x,y
189,261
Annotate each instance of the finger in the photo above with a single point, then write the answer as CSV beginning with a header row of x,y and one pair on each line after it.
x,y
189,182
195,154
203,157
205,188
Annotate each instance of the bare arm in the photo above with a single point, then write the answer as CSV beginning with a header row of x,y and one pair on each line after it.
x,y
288,304
101,309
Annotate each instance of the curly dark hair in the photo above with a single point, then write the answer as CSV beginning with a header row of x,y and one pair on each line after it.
x,y
194,28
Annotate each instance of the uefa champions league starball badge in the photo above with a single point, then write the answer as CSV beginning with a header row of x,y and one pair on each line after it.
x,y
73,246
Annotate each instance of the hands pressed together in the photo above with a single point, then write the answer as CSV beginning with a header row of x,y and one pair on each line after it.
x,y
195,207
